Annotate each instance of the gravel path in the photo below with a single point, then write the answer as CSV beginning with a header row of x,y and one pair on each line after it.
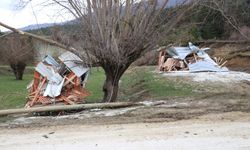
x,y
229,131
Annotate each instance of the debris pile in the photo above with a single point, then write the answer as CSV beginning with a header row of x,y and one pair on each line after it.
x,y
191,58
58,83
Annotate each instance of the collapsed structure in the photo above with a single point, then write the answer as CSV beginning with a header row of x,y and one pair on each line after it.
x,y
191,58
58,83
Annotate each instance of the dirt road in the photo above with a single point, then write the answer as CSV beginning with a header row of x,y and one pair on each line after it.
x,y
227,131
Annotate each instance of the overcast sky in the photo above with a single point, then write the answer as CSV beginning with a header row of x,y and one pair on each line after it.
x,y
34,13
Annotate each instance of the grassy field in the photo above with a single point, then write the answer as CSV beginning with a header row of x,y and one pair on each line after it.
x,y
138,83
141,83
13,92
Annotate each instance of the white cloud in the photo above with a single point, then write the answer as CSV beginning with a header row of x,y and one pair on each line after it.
x,y
32,14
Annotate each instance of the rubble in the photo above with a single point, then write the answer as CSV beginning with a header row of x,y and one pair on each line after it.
x,y
58,83
191,58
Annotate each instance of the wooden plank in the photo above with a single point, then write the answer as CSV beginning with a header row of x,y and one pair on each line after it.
x,y
37,93
67,100
69,80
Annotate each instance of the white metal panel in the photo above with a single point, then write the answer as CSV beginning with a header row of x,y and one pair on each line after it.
x,y
74,63
44,70
50,60
206,57
205,66
183,52
48,72
53,89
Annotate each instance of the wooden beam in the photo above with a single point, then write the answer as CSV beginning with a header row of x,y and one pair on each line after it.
x,y
37,93
11,28
67,107
40,38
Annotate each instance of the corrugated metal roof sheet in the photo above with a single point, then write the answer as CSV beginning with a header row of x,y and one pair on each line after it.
x,y
200,66
53,89
74,63
207,64
44,70
50,60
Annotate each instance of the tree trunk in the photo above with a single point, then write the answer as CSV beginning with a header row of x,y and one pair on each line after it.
x,y
110,88
111,84
18,69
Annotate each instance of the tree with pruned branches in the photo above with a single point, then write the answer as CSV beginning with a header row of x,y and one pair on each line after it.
x,y
117,32
17,51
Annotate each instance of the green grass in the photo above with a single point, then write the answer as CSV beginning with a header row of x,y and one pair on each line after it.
x,y
13,92
138,83
94,85
6,70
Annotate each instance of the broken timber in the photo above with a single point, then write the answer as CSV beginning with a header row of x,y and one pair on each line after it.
x,y
67,107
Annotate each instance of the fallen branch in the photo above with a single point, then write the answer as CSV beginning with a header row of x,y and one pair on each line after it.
x,y
67,107
224,41
241,50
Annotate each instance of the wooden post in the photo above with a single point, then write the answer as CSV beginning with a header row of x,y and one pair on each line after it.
x,y
40,38
67,107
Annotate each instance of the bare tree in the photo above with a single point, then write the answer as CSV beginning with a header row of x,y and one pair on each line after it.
x,y
118,32
231,12
16,50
